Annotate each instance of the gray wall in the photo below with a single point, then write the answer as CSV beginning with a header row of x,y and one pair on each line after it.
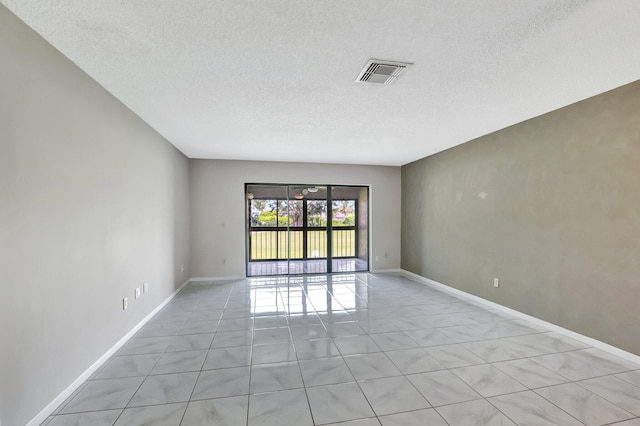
x,y
93,203
218,217
551,206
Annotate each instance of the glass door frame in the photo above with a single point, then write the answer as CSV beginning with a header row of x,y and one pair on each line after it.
x,y
305,228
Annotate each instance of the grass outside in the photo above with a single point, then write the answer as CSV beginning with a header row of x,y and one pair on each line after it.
x,y
266,244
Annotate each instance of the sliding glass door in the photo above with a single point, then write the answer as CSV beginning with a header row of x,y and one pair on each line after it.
x,y
306,229
268,224
350,228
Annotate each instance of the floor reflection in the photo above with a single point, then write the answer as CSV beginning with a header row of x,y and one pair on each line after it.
x,y
312,266
328,295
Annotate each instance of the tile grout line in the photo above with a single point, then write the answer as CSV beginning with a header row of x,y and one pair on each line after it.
x,y
356,320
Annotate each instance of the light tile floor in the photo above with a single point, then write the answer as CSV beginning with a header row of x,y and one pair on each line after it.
x,y
354,350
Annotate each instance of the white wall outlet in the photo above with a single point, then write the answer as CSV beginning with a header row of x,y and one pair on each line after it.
x,y
181,268
496,282
136,292
125,303
377,258
145,287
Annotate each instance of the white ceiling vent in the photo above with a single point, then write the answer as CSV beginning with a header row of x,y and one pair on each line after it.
x,y
380,71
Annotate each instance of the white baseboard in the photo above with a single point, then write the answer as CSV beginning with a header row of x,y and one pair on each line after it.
x,y
229,278
50,408
552,327
387,271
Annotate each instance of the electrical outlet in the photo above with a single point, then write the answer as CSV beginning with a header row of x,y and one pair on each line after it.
x,y
496,282
145,287
125,303
137,292
181,268
377,258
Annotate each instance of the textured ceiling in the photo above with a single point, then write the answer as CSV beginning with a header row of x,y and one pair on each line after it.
x,y
274,79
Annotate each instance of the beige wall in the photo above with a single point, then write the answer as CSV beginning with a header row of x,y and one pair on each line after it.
x,y
218,217
551,206
93,203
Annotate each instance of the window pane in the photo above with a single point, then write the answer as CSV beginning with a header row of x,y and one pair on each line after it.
x,y
343,242
316,213
282,213
317,244
263,213
344,212
289,213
